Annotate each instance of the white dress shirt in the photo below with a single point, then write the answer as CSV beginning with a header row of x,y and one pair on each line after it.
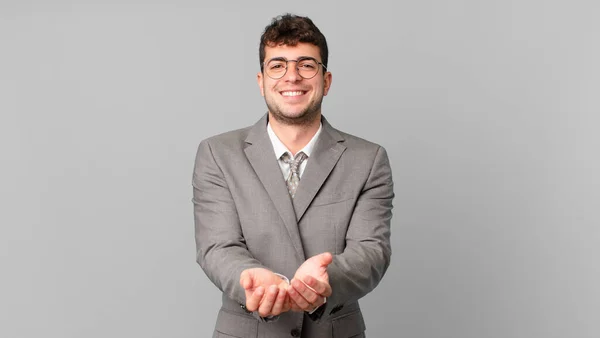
x,y
281,149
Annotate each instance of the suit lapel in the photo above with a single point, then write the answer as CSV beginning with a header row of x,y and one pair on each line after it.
x,y
325,155
262,158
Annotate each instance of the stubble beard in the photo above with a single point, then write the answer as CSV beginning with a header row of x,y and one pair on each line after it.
x,y
304,118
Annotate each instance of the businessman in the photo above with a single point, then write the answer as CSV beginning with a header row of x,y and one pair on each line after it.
x,y
292,217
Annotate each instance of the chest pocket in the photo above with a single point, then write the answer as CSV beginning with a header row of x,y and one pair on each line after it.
x,y
327,199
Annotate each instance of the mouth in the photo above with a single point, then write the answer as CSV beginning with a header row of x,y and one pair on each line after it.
x,y
292,93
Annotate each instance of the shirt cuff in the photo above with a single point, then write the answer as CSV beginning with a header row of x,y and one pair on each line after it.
x,y
282,277
288,282
315,309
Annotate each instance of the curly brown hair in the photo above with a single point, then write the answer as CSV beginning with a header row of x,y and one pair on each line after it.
x,y
290,29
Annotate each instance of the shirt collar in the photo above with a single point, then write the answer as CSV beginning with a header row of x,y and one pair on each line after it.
x,y
281,149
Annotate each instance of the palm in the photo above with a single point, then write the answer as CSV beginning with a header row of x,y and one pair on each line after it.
x,y
259,277
314,267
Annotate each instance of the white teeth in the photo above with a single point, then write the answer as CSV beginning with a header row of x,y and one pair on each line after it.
x,y
291,93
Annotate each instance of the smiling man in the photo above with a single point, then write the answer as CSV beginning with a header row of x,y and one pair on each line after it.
x,y
292,216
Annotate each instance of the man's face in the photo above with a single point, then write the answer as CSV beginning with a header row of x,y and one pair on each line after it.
x,y
293,99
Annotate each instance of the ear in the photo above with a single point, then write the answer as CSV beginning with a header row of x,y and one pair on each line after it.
x,y
259,80
327,82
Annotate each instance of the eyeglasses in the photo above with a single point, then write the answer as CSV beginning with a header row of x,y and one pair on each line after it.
x,y
307,67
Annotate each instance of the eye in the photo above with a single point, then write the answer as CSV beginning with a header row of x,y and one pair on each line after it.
x,y
277,65
307,65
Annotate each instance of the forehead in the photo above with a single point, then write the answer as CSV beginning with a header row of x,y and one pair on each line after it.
x,y
292,52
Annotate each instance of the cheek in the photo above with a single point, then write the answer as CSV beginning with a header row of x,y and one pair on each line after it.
x,y
270,88
320,87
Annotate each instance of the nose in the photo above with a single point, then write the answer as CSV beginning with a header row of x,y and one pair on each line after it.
x,y
292,75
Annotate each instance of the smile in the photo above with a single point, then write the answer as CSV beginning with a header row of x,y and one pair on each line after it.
x,y
293,93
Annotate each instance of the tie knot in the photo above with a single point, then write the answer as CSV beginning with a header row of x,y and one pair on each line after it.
x,y
295,162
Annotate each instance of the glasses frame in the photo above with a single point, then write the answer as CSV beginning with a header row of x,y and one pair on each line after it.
x,y
298,60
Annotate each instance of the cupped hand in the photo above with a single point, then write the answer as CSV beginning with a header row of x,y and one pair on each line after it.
x,y
310,284
265,292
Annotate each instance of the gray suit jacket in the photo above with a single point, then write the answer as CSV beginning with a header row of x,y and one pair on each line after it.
x,y
244,218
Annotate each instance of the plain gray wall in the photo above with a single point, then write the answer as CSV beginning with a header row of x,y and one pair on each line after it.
x,y
488,110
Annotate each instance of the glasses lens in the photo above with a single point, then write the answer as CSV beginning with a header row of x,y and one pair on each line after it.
x,y
308,68
276,68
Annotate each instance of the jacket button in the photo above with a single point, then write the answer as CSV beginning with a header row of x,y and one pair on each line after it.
x,y
244,308
295,333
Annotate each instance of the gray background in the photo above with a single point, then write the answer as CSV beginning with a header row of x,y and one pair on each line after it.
x,y
488,109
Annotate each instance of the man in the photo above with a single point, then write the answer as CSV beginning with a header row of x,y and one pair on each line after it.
x,y
292,216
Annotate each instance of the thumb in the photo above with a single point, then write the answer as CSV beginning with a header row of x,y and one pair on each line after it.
x,y
324,259
246,279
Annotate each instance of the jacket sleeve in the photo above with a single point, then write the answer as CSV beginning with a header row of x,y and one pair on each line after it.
x,y
367,254
220,245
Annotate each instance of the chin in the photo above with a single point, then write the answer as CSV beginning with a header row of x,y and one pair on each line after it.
x,y
294,115
298,118
290,116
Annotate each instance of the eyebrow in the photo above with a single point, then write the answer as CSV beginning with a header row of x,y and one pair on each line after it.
x,y
302,57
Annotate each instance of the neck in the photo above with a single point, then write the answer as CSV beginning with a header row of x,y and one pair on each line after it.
x,y
295,137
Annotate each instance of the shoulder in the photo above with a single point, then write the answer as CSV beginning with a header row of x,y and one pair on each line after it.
x,y
356,145
367,157
360,150
352,142
233,139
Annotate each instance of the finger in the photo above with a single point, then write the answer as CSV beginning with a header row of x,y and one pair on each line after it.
x,y
320,287
254,300
246,279
293,305
287,304
267,303
299,304
290,302
279,305
297,295
307,293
